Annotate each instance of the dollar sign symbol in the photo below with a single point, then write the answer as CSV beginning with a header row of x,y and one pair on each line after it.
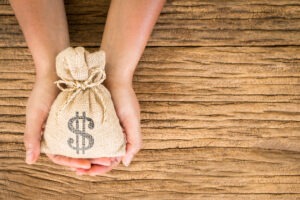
x,y
81,132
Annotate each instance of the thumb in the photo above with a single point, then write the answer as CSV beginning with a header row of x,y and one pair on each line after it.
x,y
131,150
32,135
134,142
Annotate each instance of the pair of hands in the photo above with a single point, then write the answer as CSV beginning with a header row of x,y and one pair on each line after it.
x,y
38,106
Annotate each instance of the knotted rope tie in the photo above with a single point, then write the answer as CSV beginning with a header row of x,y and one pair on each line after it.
x,y
79,86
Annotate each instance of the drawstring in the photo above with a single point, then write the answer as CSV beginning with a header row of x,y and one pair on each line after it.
x,y
78,86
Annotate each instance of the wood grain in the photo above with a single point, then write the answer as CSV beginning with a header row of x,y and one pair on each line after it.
x,y
192,23
219,88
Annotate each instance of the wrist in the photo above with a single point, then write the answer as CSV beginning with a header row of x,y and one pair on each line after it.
x,y
45,61
114,82
117,76
46,74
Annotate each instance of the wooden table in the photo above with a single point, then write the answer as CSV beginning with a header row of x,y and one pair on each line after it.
x,y
219,88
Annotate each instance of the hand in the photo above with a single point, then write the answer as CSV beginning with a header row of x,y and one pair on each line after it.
x,y
38,106
128,111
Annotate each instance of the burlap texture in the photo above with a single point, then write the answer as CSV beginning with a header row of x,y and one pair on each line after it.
x,y
82,122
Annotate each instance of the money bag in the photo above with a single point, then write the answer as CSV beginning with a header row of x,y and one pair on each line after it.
x,y
82,121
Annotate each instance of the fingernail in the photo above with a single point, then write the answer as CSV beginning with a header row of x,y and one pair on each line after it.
x,y
29,157
119,159
79,173
86,167
127,160
115,161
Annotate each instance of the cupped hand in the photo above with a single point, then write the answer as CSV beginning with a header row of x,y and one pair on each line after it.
x,y
38,106
128,110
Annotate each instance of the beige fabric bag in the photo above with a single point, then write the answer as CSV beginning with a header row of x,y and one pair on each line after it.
x,y
82,122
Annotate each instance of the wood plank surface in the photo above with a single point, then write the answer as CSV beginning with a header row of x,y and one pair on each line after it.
x,y
219,88
188,23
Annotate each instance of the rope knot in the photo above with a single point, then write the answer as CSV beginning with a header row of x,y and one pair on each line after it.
x,y
81,85
96,77
71,85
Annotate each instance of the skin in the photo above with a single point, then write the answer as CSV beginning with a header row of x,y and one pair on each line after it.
x,y
128,28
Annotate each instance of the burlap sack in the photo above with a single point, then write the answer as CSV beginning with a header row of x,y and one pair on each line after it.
x,y
82,122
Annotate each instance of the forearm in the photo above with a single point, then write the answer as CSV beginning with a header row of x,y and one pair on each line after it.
x,y
128,27
45,29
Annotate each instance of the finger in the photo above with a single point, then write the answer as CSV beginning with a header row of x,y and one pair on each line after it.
x,y
102,161
94,170
116,161
33,132
73,169
131,150
70,162
98,169
134,140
